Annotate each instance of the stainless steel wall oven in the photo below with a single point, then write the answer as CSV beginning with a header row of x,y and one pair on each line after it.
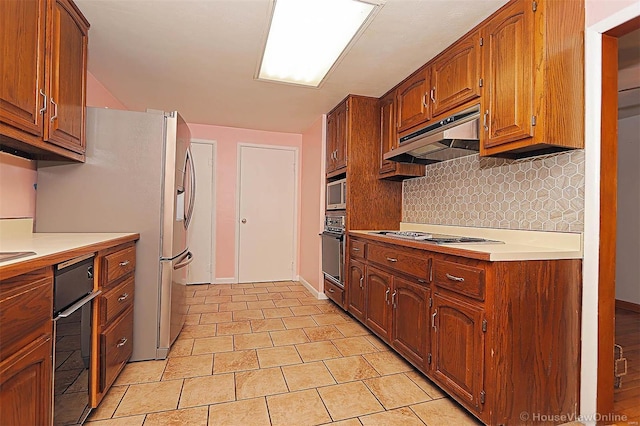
x,y
333,242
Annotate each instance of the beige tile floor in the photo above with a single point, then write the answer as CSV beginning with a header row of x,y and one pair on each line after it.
x,y
272,354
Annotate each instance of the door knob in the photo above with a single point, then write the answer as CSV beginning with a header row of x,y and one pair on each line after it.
x,y
244,221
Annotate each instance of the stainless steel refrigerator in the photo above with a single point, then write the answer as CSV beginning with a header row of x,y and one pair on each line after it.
x,y
138,177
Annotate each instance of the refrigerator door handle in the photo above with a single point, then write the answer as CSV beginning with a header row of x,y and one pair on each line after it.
x,y
192,200
188,258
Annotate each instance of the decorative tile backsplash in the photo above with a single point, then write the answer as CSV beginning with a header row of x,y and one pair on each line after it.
x,y
544,193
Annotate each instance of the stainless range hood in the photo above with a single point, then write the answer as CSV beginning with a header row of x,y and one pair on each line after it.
x,y
452,137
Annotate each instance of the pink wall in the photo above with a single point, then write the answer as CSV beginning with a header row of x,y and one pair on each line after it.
x,y
597,10
226,175
311,206
99,96
17,193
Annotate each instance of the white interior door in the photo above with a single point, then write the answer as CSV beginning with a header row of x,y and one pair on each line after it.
x,y
267,213
201,230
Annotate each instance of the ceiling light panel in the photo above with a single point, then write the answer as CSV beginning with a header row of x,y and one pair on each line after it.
x,y
307,37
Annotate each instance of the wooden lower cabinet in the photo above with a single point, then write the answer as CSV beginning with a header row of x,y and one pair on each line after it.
x,y
458,348
356,291
501,338
409,319
25,384
26,348
378,301
115,268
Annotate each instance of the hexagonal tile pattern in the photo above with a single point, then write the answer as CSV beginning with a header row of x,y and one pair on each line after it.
x,y
544,193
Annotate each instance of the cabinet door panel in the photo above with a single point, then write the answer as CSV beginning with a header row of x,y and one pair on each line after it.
x,y
410,332
331,142
456,75
388,135
356,289
458,348
342,129
412,101
508,100
378,291
22,37
66,112
25,385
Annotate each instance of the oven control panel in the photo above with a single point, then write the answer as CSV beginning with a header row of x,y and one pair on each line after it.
x,y
334,224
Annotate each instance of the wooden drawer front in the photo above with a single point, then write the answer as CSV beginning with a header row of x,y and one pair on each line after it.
x,y
460,278
357,249
117,300
400,261
119,264
334,292
26,309
116,345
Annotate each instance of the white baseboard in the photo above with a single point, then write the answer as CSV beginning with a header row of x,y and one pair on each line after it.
x,y
316,293
230,280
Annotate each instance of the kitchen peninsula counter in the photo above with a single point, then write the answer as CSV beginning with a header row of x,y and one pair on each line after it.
x,y
516,244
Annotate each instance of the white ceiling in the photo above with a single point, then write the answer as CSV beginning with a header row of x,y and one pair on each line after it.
x,y
200,57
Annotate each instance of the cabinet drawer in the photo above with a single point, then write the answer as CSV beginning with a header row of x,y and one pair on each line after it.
x,y
116,300
357,249
334,292
460,278
399,260
116,345
119,264
26,309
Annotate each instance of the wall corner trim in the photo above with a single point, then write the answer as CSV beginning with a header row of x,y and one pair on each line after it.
x,y
316,293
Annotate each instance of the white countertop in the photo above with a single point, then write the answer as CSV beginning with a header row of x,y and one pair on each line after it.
x,y
47,244
518,245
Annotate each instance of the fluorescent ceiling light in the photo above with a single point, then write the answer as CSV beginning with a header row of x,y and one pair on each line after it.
x,y
306,38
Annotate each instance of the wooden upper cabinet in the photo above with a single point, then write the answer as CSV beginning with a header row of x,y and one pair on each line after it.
x,y
507,104
22,37
413,101
533,71
388,135
67,94
455,76
43,89
337,127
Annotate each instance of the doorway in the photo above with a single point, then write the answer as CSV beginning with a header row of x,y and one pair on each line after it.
x,y
267,213
202,229
617,223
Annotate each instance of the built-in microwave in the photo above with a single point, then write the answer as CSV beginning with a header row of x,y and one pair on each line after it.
x,y
337,195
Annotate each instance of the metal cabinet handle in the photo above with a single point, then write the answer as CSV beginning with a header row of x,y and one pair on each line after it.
x,y
55,110
484,120
123,297
331,290
361,279
122,342
424,100
125,263
386,296
45,103
355,249
433,95
433,319
421,281
391,259
454,278
393,298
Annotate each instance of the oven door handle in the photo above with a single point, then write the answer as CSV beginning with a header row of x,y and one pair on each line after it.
x,y
335,235
71,309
